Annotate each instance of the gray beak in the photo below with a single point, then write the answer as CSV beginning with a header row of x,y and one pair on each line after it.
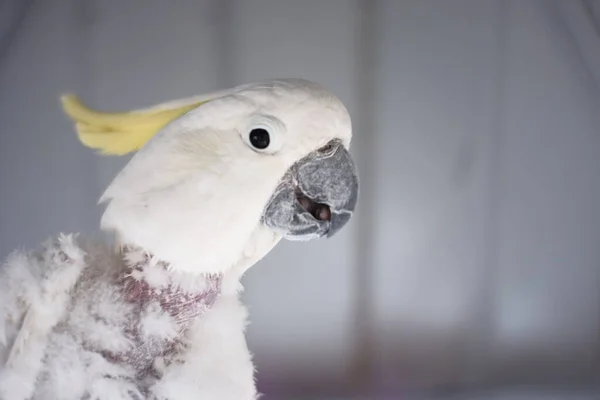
x,y
316,197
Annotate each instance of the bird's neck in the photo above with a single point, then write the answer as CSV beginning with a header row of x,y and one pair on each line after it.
x,y
184,296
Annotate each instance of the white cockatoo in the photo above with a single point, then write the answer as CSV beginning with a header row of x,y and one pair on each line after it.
x,y
216,182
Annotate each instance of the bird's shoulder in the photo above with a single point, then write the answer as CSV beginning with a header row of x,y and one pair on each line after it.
x,y
54,265
37,278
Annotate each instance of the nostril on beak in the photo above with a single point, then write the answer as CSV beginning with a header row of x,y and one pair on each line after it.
x,y
326,149
329,147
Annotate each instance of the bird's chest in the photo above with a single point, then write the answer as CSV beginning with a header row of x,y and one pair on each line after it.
x,y
140,314
158,320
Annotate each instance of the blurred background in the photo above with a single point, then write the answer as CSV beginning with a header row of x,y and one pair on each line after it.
x,y
472,268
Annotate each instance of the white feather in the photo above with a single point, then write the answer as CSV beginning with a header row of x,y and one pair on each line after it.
x,y
42,304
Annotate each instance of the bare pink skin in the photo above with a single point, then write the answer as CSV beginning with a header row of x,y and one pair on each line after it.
x,y
183,306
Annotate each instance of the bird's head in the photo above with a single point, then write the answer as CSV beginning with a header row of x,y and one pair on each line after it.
x,y
218,174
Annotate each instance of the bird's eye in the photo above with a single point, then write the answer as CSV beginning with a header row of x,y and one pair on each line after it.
x,y
259,138
264,134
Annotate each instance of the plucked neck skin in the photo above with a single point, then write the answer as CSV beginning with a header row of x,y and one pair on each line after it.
x,y
146,279
155,286
150,287
260,243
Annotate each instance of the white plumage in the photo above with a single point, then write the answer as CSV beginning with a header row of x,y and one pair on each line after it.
x,y
159,317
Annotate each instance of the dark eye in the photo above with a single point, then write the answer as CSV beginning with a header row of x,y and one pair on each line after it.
x,y
259,138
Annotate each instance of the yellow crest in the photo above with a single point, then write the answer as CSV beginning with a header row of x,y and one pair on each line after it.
x,y
123,132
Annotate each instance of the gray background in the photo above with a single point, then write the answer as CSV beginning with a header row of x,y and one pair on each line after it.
x,y
474,260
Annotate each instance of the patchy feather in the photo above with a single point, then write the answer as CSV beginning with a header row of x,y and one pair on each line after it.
x,y
77,324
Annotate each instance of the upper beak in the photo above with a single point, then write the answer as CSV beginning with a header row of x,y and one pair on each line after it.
x,y
317,196
329,178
